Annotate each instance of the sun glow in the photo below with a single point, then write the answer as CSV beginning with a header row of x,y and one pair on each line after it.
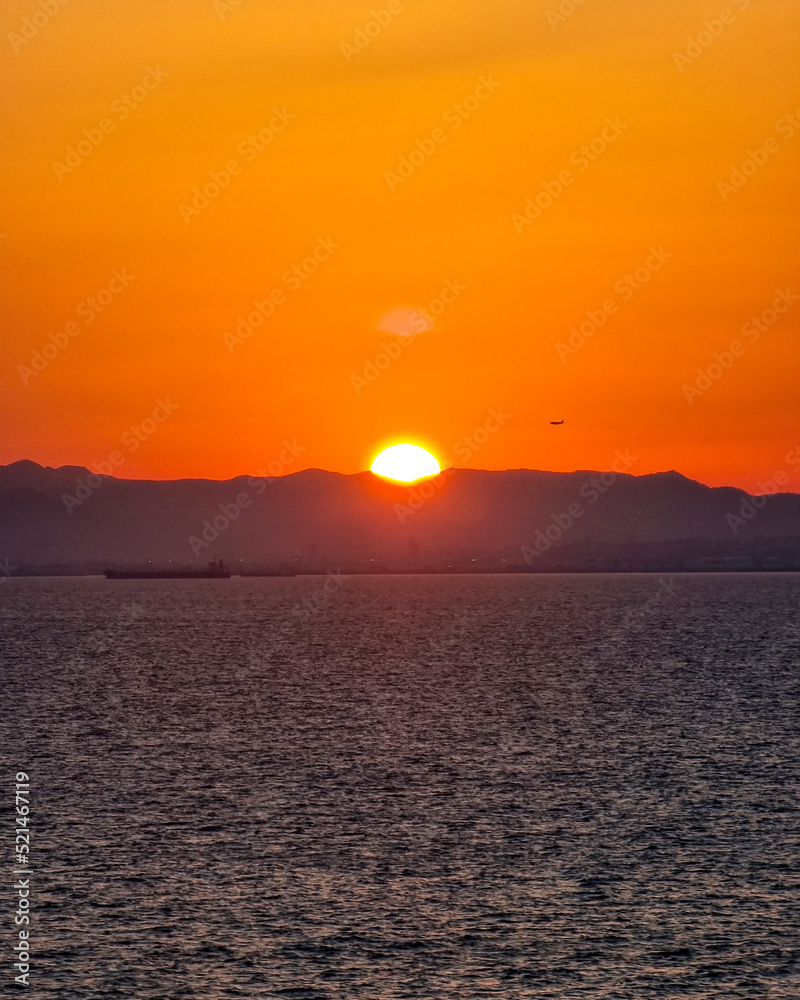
x,y
405,463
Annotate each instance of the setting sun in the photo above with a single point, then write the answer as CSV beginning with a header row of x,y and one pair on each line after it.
x,y
405,463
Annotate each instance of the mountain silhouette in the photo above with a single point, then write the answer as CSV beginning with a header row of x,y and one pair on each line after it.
x,y
469,518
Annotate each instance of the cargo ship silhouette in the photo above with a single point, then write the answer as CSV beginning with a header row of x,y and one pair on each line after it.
x,y
214,571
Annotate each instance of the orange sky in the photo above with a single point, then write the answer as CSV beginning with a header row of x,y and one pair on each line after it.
x,y
513,98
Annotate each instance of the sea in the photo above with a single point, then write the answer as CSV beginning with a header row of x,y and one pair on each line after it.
x,y
390,787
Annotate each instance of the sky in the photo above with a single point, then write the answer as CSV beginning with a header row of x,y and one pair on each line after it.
x,y
462,220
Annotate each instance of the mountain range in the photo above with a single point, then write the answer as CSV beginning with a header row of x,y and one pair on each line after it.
x,y
463,519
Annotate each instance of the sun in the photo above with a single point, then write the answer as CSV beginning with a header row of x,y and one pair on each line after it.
x,y
405,463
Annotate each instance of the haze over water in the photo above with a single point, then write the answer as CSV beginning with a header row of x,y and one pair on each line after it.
x,y
460,787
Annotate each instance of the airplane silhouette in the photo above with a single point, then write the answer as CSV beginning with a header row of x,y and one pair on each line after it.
x,y
556,423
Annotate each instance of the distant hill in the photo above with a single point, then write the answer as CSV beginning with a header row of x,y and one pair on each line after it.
x,y
463,519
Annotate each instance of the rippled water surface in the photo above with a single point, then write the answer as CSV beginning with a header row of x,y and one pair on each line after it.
x,y
462,787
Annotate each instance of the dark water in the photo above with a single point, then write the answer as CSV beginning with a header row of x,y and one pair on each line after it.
x,y
462,787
